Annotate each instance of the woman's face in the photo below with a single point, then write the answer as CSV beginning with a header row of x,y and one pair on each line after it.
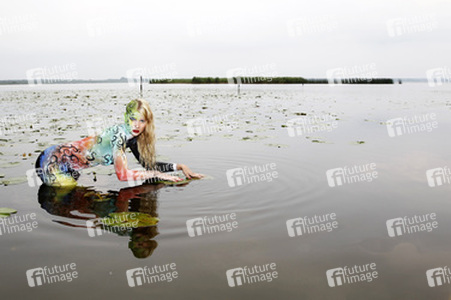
x,y
138,123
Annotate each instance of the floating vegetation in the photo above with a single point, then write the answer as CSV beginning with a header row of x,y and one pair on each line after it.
x,y
186,180
130,220
13,180
277,145
9,164
6,212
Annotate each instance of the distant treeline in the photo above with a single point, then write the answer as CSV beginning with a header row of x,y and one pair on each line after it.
x,y
269,80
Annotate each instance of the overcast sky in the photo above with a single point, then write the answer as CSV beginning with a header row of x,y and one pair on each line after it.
x,y
107,39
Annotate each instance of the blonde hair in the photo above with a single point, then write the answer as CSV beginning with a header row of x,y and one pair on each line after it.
x,y
146,140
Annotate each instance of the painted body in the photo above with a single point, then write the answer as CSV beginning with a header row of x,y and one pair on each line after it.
x,y
59,165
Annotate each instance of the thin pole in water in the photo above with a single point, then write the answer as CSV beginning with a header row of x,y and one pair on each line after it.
x,y
238,86
140,86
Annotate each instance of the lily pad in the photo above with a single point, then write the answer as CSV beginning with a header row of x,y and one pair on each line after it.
x,y
129,219
166,182
14,180
10,164
6,212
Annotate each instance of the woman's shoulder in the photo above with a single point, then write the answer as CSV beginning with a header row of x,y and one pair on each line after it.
x,y
118,129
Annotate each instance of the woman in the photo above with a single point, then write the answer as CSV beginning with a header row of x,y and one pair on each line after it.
x,y
59,165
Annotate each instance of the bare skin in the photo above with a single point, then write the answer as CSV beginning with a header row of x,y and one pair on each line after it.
x,y
138,126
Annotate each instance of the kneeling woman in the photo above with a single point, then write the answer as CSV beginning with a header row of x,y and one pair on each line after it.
x,y
59,165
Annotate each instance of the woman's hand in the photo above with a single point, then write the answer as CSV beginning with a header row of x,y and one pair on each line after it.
x,y
168,177
152,174
188,173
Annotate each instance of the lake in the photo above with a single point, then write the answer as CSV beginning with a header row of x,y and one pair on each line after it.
x,y
311,192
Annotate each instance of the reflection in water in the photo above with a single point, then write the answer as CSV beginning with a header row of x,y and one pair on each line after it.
x,y
84,204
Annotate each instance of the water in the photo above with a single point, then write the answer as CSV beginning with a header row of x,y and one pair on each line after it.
x,y
259,136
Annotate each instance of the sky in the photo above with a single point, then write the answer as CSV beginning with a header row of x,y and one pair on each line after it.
x,y
180,39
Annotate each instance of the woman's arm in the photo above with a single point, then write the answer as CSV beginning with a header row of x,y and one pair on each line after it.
x,y
188,173
121,167
160,166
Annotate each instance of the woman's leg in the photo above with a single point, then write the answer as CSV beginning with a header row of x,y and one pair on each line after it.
x,y
54,174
